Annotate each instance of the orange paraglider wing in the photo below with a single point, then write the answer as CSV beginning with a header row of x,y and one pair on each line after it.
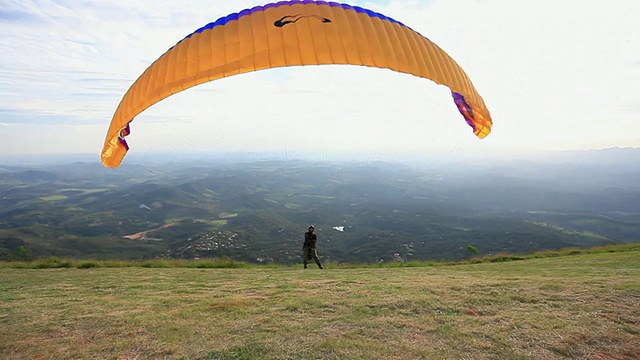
x,y
292,33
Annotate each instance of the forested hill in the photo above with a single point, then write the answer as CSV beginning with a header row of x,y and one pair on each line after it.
x,y
257,211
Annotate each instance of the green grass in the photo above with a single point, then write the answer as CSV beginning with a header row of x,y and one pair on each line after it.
x,y
227,215
582,306
214,223
588,234
52,198
56,262
82,191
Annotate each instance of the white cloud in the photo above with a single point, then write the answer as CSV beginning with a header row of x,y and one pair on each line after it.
x,y
554,75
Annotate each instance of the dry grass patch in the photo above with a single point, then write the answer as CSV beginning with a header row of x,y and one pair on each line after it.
x,y
580,307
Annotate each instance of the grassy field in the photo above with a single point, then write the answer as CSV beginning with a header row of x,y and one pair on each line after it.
x,y
585,306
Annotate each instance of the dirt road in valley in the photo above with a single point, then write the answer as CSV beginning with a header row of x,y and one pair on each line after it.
x,y
142,234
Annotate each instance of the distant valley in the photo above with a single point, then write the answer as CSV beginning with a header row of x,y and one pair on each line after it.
x,y
258,210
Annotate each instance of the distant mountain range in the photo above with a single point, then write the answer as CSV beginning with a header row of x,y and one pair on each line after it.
x,y
258,210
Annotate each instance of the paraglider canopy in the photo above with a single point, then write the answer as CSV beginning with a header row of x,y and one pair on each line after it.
x,y
292,33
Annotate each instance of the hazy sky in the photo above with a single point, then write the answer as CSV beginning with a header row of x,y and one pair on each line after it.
x,y
555,75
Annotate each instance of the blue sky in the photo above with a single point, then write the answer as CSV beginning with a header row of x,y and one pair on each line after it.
x,y
555,76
